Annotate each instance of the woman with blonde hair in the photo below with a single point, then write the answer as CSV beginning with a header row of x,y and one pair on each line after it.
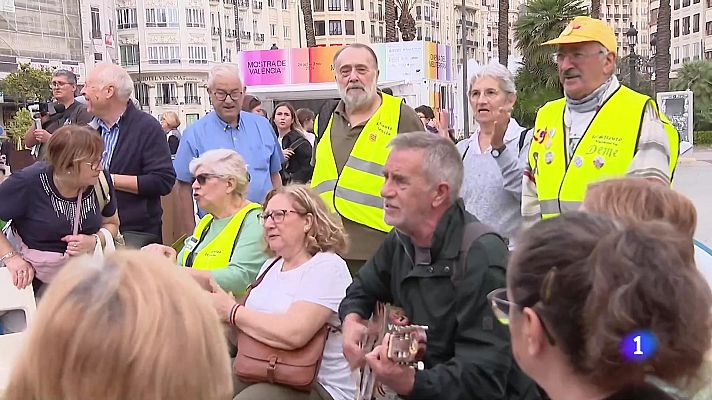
x,y
170,123
130,328
297,294
226,245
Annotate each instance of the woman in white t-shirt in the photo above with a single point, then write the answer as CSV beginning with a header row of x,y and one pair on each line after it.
x,y
299,294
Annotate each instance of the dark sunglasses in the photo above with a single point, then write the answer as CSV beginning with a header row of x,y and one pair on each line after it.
x,y
501,307
202,178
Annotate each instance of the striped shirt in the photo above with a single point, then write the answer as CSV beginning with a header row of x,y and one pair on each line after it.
x,y
651,160
111,137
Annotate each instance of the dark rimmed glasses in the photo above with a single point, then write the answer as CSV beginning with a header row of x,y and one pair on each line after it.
x,y
276,215
234,95
501,307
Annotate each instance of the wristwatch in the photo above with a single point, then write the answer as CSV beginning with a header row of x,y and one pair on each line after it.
x,y
498,152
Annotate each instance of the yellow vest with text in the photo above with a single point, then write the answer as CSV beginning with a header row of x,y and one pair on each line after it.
x,y
217,253
605,151
356,193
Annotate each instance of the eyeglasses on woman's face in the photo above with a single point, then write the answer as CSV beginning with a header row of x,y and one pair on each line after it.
x,y
95,166
277,216
501,307
202,178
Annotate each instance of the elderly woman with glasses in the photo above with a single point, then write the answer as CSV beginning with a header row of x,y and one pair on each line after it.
x,y
595,308
227,243
297,294
60,208
495,154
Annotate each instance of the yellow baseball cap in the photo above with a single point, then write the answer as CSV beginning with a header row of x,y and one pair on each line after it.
x,y
587,29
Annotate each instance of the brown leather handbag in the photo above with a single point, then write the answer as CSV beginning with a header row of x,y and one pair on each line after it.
x,y
257,362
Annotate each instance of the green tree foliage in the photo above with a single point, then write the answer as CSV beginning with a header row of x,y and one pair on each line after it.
x,y
697,77
538,81
27,84
18,126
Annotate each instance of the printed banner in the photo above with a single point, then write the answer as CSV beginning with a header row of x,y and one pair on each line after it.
x,y
321,65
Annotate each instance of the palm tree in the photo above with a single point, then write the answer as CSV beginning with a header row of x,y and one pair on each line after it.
x,y
662,48
595,8
697,76
503,32
406,22
390,17
538,80
308,22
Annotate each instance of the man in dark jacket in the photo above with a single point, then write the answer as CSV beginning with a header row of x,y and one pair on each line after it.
x,y
468,354
135,153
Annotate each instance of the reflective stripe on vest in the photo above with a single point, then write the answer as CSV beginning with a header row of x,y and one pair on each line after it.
x,y
356,193
217,253
605,150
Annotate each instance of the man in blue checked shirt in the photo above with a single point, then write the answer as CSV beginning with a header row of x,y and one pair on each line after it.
x,y
135,153
250,135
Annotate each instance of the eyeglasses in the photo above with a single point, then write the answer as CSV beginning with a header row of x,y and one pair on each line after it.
x,y
501,307
94,165
202,178
56,85
221,95
489,93
575,57
276,215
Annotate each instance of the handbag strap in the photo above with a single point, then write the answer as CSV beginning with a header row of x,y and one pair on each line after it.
x,y
77,214
258,281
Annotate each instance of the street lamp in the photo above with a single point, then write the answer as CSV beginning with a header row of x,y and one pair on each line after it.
x,y
632,36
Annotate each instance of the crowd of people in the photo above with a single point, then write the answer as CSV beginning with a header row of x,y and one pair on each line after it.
x,y
546,263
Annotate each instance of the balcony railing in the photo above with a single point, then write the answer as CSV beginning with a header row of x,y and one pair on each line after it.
x,y
230,33
257,5
192,99
244,4
376,39
259,37
167,101
373,16
230,3
216,31
245,36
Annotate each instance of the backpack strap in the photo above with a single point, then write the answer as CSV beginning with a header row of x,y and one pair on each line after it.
x,y
325,113
523,138
473,231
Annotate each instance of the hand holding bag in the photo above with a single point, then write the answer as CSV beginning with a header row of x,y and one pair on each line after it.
x,y
257,362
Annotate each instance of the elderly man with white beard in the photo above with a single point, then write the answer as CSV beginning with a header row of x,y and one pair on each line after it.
x,y
352,147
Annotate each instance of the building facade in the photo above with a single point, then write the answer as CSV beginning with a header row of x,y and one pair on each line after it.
x,y
98,32
43,33
169,46
691,31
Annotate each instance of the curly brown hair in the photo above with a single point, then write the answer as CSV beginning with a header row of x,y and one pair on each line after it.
x,y
326,234
610,280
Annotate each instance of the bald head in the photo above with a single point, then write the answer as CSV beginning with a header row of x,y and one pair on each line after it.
x,y
107,74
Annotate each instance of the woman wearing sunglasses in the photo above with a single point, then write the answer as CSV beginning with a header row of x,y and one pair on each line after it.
x,y
595,308
299,291
227,243
55,209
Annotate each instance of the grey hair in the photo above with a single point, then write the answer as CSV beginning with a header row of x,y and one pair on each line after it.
x,y
223,69
112,74
71,77
226,163
497,71
441,162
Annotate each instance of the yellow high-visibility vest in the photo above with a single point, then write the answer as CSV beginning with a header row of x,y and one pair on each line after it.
x,y
356,193
217,253
605,151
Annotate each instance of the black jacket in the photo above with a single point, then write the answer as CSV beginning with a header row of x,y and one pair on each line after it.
x,y
142,151
468,352
298,169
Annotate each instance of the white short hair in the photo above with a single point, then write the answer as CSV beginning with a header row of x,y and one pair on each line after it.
x,y
114,75
223,69
227,164
497,71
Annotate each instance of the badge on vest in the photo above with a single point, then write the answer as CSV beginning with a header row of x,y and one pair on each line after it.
x,y
549,157
190,243
578,161
598,162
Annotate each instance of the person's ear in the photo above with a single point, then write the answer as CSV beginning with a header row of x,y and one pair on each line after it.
x,y
442,194
309,222
533,332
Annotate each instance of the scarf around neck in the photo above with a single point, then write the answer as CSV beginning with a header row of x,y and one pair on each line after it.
x,y
590,102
